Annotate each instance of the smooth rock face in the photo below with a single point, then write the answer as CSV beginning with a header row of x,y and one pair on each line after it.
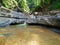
x,y
47,20
14,14
6,21
10,17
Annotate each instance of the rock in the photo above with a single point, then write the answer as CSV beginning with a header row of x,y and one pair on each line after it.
x,y
6,21
54,12
17,16
47,20
13,17
9,13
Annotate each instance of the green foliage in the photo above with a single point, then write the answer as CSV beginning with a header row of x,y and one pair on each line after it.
x,y
9,3
55,5
24,5
35,4
31,5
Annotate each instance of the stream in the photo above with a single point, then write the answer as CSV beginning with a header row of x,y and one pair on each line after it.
x,y
29,35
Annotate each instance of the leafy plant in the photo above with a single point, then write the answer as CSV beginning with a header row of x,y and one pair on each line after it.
x,y
36,4
9,3
24,5
55,5
32,5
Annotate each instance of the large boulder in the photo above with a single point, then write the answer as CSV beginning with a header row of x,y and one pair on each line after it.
x,y
46,20
12,17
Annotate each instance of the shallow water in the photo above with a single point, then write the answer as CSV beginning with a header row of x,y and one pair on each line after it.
x,y
28,35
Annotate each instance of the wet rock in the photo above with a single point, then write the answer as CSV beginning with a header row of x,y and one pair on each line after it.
x,y
9,13
6,21
54,12
47,20
12,17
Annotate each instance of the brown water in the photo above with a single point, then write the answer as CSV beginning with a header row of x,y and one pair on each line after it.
x,y
28,35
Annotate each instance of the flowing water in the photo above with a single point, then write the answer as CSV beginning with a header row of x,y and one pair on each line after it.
x,y
28,35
